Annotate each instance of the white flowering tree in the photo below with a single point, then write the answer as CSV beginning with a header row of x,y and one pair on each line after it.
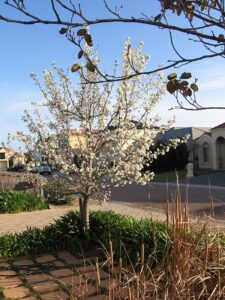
x,y
98,134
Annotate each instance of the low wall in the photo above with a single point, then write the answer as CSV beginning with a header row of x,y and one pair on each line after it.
x,y
14,180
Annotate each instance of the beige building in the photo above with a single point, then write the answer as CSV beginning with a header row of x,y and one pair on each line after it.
x,y
210,148
206,146
77,139
10,158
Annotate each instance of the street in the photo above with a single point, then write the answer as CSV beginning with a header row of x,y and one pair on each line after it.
x,y
155,195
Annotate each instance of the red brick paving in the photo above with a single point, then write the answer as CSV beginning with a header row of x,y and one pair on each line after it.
x,y
60,295
106,283
51,277
68,258
46,286
58,263
93,275
10,282
86,268
4,265
83,290
7,273
33,278
61,273
25,262
45,258
122,293
71,281
15,293
100,297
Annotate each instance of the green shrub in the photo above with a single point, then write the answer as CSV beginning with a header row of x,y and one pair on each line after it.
x,y
17,168
127,234
57,191
67,234
17,201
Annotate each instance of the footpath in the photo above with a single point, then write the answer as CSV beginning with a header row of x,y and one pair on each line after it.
x,y
11,223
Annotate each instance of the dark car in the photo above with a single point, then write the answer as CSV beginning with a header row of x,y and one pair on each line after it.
x,y
45,170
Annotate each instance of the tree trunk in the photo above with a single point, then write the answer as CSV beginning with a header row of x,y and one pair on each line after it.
x,y
84,212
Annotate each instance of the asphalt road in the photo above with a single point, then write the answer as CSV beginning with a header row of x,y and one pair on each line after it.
x,y
155,194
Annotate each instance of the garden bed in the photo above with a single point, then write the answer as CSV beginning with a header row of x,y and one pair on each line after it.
x,y
146,259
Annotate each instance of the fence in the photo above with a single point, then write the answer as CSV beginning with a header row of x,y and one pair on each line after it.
x,y
17,181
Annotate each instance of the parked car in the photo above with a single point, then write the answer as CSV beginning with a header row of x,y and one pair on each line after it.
x,y
42,170
45,170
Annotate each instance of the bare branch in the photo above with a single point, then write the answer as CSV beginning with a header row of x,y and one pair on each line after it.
x,y
205,25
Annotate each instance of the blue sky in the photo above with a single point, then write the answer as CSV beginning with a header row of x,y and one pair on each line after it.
x,y
26,49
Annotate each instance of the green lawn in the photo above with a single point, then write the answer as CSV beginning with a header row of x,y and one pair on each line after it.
x,y
171,176
206,172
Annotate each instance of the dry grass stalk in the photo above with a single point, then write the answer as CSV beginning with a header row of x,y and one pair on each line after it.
x,y
98,275
111,255
142,255
192,269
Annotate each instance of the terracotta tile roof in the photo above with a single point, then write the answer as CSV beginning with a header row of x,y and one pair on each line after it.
x,y
81,131
6,149
219,126
18,155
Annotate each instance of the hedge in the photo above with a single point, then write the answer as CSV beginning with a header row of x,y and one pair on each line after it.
x,y
17,201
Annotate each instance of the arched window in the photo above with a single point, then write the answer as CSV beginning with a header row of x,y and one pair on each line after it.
x,y
205,148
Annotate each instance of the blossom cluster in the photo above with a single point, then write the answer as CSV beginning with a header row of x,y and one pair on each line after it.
x,y
99,133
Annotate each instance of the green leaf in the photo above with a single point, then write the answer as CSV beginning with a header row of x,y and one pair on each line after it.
x,y
186,75
179,10
194,87
80,54
63,30
172,76
188,92
214,3
88,39
221,37
171,86
166,4
183,85
90,67
75,68
81,32
203,6
158,17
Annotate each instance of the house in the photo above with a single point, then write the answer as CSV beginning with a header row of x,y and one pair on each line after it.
x,y
193,133
206,146
10,158
5,154
78,140
210,148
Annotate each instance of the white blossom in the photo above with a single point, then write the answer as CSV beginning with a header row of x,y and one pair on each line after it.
x,y
112,125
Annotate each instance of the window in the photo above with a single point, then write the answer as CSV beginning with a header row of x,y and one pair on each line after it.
x,y
205,152
2,155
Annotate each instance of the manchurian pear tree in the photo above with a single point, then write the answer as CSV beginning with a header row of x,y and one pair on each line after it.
x,y
111,124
